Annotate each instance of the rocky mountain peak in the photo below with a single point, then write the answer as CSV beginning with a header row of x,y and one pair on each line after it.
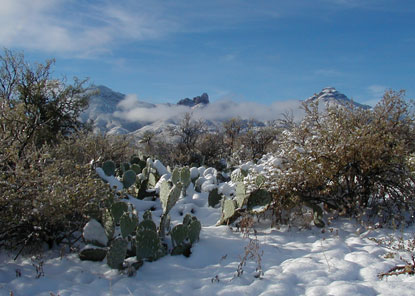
x,y
330,96
203,99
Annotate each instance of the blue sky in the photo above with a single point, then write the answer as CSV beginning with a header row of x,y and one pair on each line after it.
x,y
262,51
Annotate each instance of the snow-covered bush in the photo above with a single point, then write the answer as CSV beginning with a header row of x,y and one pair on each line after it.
x,y
46,197
349,159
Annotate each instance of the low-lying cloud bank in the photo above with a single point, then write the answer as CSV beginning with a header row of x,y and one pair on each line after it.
x,y
132,110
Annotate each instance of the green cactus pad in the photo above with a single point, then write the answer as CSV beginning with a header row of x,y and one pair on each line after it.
x,y
141,188
214,198
148,245
109,168
136,168
259,197
116,253
185,176
179,234
194,229
169,198
147,225
108,223
187,219
229,207
128,224
117,209
175,176
128,178
240,195
153,179
125,166
135,159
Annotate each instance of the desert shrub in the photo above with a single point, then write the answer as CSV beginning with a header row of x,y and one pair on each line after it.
x,y
36,108
45,199
86,147
350,159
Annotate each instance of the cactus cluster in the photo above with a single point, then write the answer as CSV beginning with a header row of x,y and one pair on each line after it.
x,y
138,176
184,235
126,235
243,202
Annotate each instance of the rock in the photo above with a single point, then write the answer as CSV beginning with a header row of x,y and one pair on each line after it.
x,y
203,99
92,253
94,233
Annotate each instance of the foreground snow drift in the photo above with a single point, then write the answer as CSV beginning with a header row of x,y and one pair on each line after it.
x,y
295,262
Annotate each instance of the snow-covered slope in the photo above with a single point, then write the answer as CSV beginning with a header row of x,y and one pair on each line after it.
x,y
329,96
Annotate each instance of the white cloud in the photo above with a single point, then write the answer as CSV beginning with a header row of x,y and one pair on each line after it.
x,y
76,27
215,111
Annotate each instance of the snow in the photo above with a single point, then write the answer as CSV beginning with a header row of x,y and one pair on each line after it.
x,y
341,259
94,232
294,262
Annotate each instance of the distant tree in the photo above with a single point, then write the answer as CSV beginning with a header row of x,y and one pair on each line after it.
x,y
188,133
232,129
35,108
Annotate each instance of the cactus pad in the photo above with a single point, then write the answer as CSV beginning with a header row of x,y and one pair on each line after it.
x,y
214,198
128,178
109,168
240,195
228,210
116,253
259,197
179,234
128,224
148,245
175,176
117,209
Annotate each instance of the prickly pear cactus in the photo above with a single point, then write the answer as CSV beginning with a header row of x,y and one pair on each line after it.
x,y
128,223
128,178
240,195
258,198
108,223
147,224
169,197
109,168
136,168
175,176
179,234
185,178
194,228
135,159
148,245
238,175
229,208
214,198
153,178
116,253
117,210
125,166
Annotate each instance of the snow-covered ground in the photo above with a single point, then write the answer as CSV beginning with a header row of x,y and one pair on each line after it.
x,y
344,259
339,261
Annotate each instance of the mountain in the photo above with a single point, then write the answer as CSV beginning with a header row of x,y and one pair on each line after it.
x,y
203,100
103,105
330,96
115,113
